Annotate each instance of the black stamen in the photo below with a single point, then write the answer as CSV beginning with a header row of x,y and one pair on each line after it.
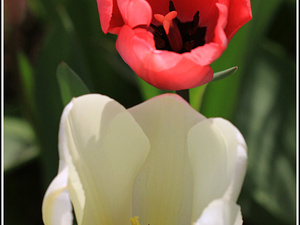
x,y
194,24
160,37
189,45
196,19
171,6
160,43
156,30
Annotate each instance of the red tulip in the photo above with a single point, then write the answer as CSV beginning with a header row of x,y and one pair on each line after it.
x,y
172,44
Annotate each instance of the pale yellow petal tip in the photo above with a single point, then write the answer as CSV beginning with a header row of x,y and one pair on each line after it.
x,y
134,220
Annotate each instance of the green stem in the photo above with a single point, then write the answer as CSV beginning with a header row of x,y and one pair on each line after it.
x,y
197,96
201,96
185,94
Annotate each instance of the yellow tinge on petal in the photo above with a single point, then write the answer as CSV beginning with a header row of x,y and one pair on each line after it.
x,y
135,220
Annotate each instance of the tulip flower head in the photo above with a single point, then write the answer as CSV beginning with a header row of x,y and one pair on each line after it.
x,y
171,44
158,163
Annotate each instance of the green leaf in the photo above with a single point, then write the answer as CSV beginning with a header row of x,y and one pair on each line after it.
x,y
225,73
19,143
70,83
27,80
37,8
266,115
59,44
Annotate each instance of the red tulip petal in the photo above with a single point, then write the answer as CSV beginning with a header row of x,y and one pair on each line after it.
x,y
239,13
206,54
110,17
135,12
162,69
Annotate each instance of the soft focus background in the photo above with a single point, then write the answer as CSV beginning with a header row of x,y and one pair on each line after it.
x,y
260,98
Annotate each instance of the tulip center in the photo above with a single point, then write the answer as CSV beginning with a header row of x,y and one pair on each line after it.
x,y
171,30
174,35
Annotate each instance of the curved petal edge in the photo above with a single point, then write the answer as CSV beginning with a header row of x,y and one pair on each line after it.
x,y
57,207
221,212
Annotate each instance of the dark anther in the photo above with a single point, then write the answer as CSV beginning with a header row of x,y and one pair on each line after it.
x,y
160,37
156,29
194,24
160,43
171,6
189,45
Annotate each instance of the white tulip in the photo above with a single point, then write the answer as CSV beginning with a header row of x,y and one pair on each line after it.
x,y
158,163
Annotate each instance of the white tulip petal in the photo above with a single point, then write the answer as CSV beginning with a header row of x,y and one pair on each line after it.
x,y
238,161
213,148
163,188
104,150
221,212
193,171
208,157
57,207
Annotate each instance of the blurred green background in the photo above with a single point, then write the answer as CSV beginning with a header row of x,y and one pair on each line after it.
x,y
260,98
